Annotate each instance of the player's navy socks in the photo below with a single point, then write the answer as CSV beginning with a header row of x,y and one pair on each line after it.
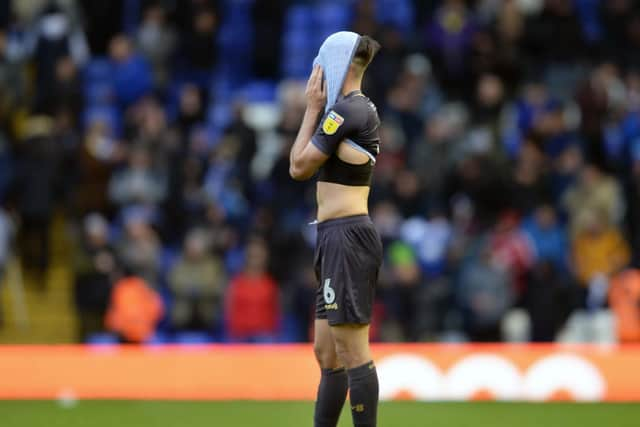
x,y
332,392
363,394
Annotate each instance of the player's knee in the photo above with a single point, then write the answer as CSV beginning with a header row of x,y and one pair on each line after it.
x,y
325,355
351,354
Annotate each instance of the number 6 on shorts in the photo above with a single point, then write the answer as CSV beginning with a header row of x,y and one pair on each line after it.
x,y
329,293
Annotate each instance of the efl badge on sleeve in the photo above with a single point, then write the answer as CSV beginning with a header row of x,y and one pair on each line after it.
x,y
332,122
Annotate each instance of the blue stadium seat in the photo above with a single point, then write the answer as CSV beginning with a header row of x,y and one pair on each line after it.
x,y
259,91
98,93
192,338
103,338
298,52
229,40
219,332
221,88
589,13
296,69
164,326
236,34
168,257
213,135
332,16
290,329
98,70
158,338
298,17
219,115
398,13
299,38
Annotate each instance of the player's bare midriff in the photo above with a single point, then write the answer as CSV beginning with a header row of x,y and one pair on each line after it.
x,y
337,200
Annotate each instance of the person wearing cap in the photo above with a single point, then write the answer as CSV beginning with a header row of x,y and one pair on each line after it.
x,y
339,139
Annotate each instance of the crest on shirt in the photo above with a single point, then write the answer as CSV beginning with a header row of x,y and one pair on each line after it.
x,y
332,122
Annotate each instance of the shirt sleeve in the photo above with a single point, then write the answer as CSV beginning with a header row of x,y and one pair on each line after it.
x,y
336,125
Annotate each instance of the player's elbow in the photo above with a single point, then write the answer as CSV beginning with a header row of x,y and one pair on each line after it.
x,y
297,172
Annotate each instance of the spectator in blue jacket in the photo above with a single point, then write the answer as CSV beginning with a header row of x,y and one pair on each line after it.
x,y
132,75
548,237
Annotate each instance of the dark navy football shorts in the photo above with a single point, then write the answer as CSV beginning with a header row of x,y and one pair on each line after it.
x,y
347,261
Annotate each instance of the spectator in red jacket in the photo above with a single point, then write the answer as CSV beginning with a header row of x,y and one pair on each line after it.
x,y
253,301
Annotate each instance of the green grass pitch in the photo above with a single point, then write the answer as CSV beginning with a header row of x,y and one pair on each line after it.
x,y
298,414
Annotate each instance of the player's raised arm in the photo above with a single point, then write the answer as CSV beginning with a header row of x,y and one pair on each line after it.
x,y
305,159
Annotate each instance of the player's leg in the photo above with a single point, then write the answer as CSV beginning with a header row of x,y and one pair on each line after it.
x,y
352,348
332,391
348,277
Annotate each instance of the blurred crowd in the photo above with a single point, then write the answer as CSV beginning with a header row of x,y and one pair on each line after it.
x,y
507,191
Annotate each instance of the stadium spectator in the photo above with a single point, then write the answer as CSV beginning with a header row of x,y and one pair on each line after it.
x,y
156,41
511,251
221,182
12,81
196,281
549,299
531,180
146,126
599,251
555,35
37,176
103,20
389,63
243,138
253,301
615,17
134,310
191,109
55,37
197,46
139,247
28,11
414,95
65,90
429,237
599,94
401,296
434,154
95,269
548,238
132,76
97,156
449,38
594,192
138,183
185,13
484,295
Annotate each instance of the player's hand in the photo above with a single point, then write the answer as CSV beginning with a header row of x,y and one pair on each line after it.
x,y
316,91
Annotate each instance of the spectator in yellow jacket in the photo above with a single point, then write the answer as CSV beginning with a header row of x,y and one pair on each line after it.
x,y
599,249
